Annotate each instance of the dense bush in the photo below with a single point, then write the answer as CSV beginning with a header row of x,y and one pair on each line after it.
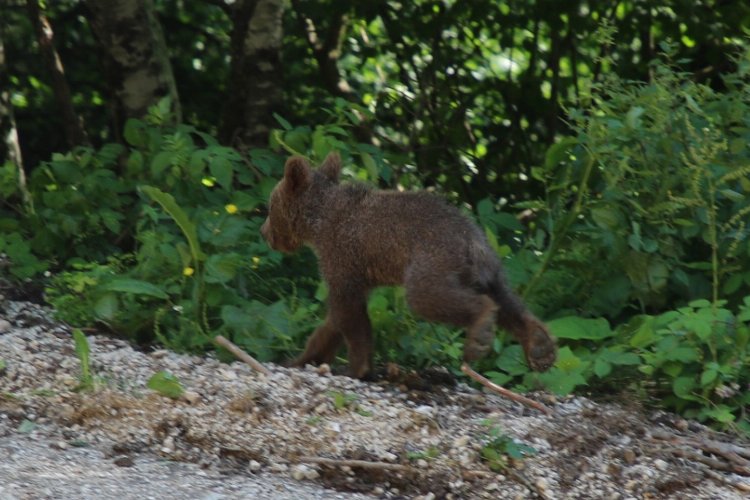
x,y
643,226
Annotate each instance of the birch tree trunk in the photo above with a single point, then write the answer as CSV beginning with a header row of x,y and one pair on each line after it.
x,y
10,148
254,87
136,56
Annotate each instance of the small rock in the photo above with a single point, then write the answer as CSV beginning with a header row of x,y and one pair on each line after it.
x,y
629,456
389,457
60,445
542,484
422,463
254,466
4,326
168,445
324,369
190,397
681,424
461,442
124,461
377,491
661,464
302,471
276,467
492,487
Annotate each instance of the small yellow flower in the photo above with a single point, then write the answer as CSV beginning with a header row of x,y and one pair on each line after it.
x,y
188,271
256,261
231,208
208,182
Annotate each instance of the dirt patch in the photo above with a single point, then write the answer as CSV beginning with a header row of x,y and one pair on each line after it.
x,y
416,436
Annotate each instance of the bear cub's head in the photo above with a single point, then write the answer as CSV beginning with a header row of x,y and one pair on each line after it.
x,y
295,196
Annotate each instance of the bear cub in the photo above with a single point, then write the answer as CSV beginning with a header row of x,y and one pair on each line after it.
x,y
365,238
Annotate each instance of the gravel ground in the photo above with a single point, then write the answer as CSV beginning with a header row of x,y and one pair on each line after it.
x,y
240,434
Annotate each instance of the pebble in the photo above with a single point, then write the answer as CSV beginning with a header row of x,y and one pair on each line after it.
x,y
302,471
4,326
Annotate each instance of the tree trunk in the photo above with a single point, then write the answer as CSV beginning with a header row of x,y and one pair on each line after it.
x,y
136,57
10,149
72,125
254,87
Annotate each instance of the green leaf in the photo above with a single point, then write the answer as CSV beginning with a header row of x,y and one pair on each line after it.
x,y
682,354
708,377
682,387
602,368
83,352
561,383
169,204
26,426
221,268
137,287
106,306
607,217
369,163
621,358
134,133
161,161
285,124
574,327
633,118
732,195
222,169
166,384
557,152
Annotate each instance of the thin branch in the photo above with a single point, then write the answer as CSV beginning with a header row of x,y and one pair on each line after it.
x,y
362,464
241,355
75,135
504,392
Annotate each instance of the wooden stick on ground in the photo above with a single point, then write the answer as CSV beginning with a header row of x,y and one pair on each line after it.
x,y
364,464
241,355
503,391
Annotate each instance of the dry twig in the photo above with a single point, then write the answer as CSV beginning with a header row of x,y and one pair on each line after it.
x,y
503,391
731,452
241,355
364,464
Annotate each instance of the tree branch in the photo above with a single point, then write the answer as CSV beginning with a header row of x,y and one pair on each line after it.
x,y
74,132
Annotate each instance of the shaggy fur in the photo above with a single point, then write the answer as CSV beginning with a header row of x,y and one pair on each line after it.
x,y
365,238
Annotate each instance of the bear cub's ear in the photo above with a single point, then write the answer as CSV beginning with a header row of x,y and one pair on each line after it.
x,y
297,174
331,166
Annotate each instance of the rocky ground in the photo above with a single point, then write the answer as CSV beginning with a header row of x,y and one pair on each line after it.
x,y
237,433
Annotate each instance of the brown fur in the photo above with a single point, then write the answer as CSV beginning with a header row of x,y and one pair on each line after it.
x,y
365,238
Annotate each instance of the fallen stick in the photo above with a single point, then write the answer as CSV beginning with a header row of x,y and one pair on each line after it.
x,y
711,462
729,451
503,391
364,464
241,355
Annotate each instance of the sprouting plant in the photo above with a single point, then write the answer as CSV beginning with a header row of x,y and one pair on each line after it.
x,y
500,447
342,400
166,384
86,380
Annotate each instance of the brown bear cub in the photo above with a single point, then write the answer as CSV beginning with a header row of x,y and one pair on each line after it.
x,y
365,238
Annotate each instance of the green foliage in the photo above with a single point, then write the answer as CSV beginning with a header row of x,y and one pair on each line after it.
x,y
342,400
648,204
166,384
83,352
693,360
499,447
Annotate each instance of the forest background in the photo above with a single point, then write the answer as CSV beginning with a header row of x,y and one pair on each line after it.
x,y
603,147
